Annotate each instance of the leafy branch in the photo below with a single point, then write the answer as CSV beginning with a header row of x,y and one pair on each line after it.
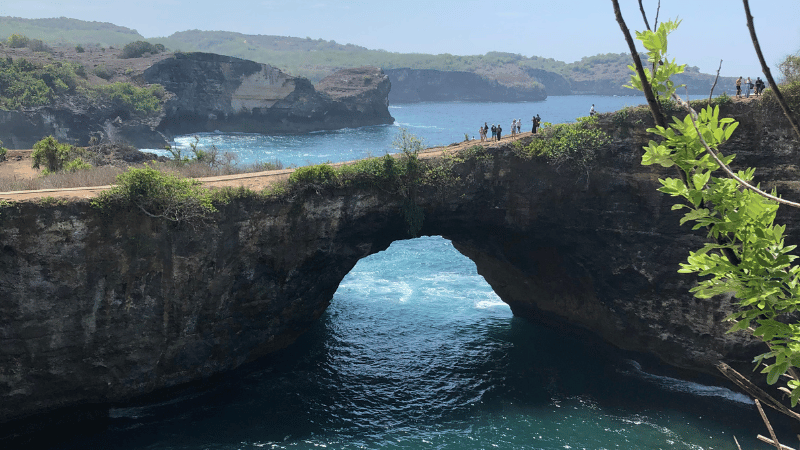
x,y
746,255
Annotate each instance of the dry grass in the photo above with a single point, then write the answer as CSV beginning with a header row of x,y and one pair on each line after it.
x,y
100,176
105,175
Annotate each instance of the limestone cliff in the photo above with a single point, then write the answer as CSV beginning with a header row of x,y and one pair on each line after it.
x,y
213,92
204,93
98,307
427,85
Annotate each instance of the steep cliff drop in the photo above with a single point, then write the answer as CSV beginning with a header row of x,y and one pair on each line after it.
x,y
214,92
101,306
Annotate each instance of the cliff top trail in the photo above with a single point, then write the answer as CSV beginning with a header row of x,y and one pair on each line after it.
x,y
18,164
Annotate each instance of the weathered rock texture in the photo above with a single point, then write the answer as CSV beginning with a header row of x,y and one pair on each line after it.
x,y
76,120
205,93
214,92
99,307
427,85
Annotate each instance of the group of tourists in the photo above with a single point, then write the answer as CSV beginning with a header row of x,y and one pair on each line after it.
x,y
497,130
757,87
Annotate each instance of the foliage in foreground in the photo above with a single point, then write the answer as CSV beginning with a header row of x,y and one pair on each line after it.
x,y
746,254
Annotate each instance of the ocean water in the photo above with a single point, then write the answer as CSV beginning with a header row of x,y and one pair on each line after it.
x,y
435,123
417,352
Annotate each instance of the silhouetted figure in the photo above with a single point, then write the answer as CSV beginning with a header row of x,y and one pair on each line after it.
x,y
499,130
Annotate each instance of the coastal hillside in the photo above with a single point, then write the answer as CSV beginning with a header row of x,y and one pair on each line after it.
x,y
63,31
316,59
143,95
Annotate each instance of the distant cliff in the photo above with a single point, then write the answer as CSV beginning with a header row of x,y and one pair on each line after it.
x,y
426,85
213,92
203,92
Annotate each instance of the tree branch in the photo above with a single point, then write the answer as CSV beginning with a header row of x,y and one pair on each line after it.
x,y
711,94
644,16
778,95
655,108
723,166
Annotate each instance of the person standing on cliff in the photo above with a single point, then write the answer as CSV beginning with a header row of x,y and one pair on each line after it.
x,y
513,128
592,112
739,87
519,126
494,132
759,86
499,130
748,85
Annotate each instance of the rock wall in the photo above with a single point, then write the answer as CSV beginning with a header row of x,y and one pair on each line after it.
x,y
205,93
75,120
214,92
427,85
101,306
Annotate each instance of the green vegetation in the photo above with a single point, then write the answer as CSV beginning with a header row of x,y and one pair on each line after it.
x,y
138,99
103,72
159,195
3,152
54,156
790,69
568,143
746,254
18,41
62,31
317,58
403,176
24,84
139,48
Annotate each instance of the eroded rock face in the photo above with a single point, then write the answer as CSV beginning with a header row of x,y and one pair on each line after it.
x,y
206,93
99,307
214,92
428,85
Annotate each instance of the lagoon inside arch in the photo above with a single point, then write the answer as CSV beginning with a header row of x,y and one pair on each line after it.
x,y
416,351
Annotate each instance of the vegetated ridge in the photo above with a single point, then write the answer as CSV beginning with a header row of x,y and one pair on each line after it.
x,y
144,95
317,58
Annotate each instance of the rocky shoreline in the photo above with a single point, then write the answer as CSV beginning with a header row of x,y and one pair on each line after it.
x,y
203,93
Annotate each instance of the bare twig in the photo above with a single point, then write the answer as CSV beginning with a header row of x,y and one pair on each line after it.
x,y
711,94
778,95
655,108
755,391
658,10
737,443
644,15
770,442
769,426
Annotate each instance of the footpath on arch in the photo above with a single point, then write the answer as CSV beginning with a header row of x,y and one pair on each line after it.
x,y
254,180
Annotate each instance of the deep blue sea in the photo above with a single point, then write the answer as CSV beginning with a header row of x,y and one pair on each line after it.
x,y
417,352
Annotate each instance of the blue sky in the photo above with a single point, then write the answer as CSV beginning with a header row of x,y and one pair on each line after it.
x,y
561,29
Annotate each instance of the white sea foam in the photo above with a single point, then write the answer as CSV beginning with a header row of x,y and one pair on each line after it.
x,y
690,387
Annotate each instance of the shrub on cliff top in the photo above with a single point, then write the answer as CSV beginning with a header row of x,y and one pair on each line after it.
x,y
139,48
17,41
50,154
568,142
159,195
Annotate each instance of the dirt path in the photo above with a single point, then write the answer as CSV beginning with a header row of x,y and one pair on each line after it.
x,y
18,164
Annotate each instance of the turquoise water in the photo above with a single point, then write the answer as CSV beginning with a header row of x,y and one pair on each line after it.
x,y
436,123
417,352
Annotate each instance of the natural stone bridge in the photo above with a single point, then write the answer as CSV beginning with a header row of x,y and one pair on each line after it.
x,y
98,308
